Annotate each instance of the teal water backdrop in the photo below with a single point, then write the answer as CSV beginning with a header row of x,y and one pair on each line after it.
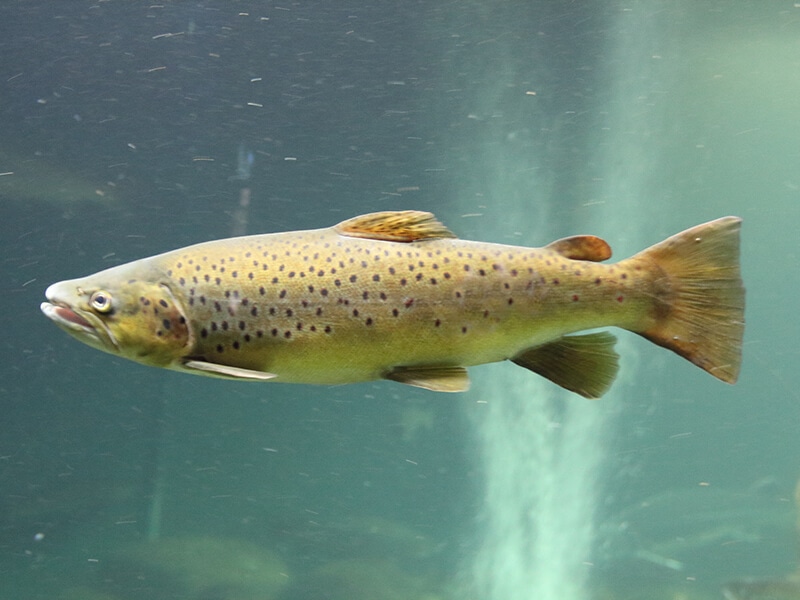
x,y
134,128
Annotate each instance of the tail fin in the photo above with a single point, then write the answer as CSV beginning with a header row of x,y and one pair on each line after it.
x,y
700,315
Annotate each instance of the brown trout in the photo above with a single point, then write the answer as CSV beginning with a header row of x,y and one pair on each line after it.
x,y
395,295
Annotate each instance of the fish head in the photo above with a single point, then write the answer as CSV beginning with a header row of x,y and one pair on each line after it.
x,y
124,313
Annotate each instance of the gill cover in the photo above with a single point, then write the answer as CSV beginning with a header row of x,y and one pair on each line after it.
x,y
148,323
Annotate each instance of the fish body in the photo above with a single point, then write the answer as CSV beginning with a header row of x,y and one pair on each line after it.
x,y
396,295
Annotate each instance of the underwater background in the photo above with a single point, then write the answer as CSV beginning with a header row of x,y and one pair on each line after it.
x,y
132,128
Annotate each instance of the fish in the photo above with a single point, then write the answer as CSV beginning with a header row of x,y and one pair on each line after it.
x,y
396,295
775,589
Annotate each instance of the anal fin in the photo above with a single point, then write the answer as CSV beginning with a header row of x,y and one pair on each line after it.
x,y
434,378
226,371
584,364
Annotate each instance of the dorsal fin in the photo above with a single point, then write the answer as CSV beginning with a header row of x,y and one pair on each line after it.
x,y
395,226
582,247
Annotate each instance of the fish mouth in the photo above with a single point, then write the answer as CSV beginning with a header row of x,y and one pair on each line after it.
x,y
75,324
64,315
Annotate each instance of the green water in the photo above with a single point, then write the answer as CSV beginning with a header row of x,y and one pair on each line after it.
x,y
132,128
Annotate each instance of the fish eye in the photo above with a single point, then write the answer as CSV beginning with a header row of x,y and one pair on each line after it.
x,y
101,301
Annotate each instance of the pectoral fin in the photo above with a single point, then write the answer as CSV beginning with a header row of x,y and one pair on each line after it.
x,y
437,379
226,372
584,364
